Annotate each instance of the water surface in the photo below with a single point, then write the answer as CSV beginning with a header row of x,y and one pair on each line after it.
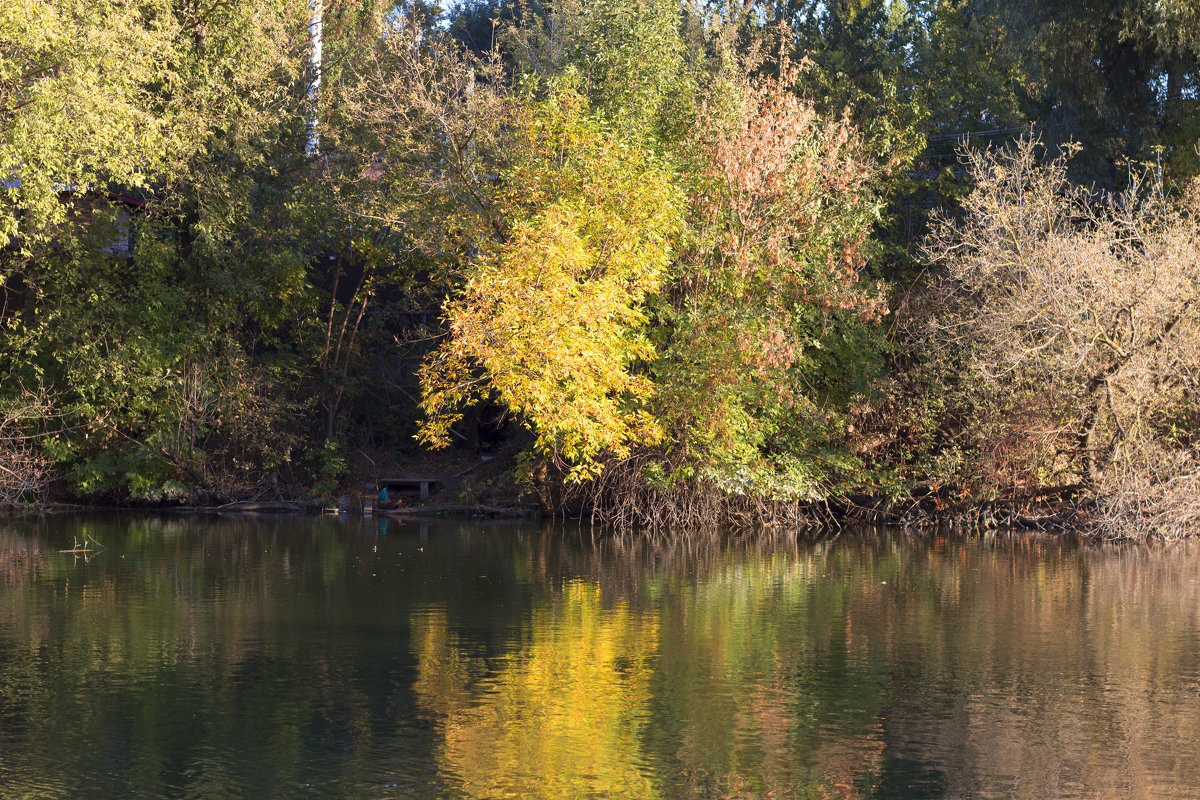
x,y
196,658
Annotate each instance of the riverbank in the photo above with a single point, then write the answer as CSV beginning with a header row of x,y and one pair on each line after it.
x,y
469,485
1060,510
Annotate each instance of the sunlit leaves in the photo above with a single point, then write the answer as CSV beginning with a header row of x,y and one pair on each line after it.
x,y
549,320
138,139
74,107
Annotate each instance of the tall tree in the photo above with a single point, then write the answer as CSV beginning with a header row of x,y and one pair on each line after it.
x,y
861,54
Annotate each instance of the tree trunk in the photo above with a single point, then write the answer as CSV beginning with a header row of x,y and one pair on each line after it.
x,y
1086,439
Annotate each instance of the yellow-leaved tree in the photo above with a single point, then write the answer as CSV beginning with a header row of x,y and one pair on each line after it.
x,y
550,319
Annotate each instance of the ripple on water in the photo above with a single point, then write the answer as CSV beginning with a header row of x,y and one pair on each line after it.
x,y
199,658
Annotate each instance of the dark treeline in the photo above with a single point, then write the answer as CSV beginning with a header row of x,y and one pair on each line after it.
x,y
676,264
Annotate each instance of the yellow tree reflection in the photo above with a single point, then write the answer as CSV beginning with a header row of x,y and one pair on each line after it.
x,y
562,715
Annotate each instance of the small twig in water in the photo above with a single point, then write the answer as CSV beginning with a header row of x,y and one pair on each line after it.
x,y
82,547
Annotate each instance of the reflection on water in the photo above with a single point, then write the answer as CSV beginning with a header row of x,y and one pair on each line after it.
x,y
318,658
559,716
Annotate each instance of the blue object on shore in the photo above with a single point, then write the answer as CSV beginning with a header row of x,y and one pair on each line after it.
x,y
383,494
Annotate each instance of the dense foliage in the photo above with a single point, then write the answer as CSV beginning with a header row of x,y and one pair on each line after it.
x,y
681,257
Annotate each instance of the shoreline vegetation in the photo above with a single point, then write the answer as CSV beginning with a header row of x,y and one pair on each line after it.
x,y
1059,510
651,265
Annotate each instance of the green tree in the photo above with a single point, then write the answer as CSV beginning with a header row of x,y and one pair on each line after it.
x,y
861,54
1114,75
631,60
144,312
76,105
769,328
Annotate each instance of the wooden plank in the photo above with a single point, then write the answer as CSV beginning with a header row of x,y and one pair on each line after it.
x,y
422,485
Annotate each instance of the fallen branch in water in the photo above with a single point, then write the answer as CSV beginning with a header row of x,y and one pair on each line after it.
x,y
82,547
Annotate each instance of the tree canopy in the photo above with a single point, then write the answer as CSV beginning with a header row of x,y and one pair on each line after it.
x,y
680,256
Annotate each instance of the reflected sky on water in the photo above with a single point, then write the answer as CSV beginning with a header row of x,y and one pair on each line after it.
x,y
197,658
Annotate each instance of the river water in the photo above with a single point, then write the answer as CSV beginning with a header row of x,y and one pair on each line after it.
x,y
201,658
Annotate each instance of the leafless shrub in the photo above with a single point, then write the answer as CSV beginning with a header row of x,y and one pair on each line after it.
x,y
1083,307
1151,490
25,471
